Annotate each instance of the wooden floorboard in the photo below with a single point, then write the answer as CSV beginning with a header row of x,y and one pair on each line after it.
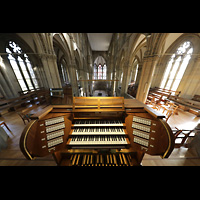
x,y
12,156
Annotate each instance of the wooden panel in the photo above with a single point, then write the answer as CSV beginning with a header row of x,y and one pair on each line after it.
x,y
27,139
95,104
35,138
154,139
42,113
86,102
111,102
63,106
135,104
153,112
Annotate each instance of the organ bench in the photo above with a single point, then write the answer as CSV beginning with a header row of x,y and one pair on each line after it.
x,y
97,131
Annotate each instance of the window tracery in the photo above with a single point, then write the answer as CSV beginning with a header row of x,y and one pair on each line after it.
x,y
100,72
176,66
21,66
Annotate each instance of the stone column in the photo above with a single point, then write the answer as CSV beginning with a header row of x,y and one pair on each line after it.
x,y
72,71
74,84
51,70
148,68
111,77
83,74
139,73
9,86
91,68
126,77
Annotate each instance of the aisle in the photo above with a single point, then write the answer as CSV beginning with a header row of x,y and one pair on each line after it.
x,y
100,93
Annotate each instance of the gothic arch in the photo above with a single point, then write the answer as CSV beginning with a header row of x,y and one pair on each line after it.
x,y
120,60
99,60
78,60
28,44
135,43
59,40
163,61
192,37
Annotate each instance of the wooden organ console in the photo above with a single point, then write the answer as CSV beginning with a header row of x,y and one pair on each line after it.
x,y
97,131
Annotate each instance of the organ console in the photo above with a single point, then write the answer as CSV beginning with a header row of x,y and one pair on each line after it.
x,y
97,131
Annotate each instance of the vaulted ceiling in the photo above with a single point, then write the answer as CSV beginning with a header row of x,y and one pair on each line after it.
x,y
99,41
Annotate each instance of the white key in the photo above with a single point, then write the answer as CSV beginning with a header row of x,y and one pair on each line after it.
x,y
103,140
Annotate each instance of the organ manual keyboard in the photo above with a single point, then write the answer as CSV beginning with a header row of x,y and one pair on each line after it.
x,y
97,131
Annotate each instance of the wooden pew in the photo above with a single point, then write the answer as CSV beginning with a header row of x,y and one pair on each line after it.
x,y
189,105
34,97
160,94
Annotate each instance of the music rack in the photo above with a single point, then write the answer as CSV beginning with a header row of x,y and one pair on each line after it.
x,y
98,104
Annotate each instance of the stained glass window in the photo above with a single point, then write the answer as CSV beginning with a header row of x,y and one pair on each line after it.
x,y
104,72
100,71
95,72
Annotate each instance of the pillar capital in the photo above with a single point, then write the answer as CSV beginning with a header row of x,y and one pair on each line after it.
x,y
47,56
151,58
